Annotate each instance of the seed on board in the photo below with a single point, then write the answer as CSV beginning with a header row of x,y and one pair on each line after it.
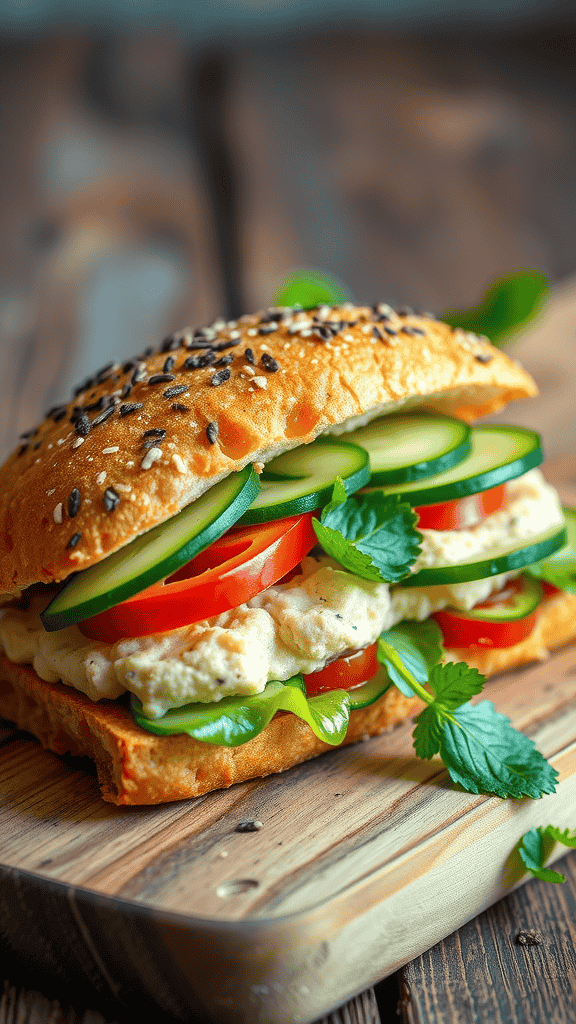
x,y
111,499
249,825
212,432
74,501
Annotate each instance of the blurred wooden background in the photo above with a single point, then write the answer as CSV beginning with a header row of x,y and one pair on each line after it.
x,y
145,184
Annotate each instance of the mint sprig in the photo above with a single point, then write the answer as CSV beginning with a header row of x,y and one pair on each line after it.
x,y
510,302
480,747
371,536
537,845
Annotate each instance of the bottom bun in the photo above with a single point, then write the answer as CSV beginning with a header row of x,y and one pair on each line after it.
x,y
137,767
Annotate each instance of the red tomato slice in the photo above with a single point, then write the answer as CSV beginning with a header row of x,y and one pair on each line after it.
x,y
344,673
461,512
232,570
461,630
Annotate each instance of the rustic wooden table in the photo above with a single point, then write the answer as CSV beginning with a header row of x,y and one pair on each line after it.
x,y
516,962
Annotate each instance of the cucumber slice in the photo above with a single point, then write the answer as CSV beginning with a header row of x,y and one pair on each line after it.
x,y
502,558
404,448
302,479
364,694
154,555
498,454
520,603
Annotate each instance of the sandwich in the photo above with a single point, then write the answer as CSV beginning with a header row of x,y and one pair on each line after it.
x,y
273,536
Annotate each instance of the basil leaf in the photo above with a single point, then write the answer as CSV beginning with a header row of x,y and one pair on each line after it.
x,y
372,536
534,849
560,568
510,302
310,288
419,645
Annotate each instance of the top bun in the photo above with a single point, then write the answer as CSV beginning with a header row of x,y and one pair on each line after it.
x,y
141,440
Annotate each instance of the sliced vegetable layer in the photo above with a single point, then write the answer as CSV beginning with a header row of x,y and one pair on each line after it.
x,y
498,454
503,557
302,479
155,554
506,619
411,447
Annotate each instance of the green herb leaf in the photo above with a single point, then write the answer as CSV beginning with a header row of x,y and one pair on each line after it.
x,y
427,733
371,536
419,645
510,302
566,837
560,568
535,848
310,288
454,684
485,754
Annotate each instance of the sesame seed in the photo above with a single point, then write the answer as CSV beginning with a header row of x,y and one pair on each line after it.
x,y
151,457
224,361
224,344
405,311
151,442
221,377
161,378
155,432
111,499
198,362
170,343
249,370
130,407
178,462
178,407
74,501
212,432
74,539
324,312
268,328
103,416
484,357
249,826
82,426
169,364
252,332
366,328
110,451
101,477
348,337
58,513
260,382
178,389
50,492
391,332
218,325
249,356
269,363
77,442
235,335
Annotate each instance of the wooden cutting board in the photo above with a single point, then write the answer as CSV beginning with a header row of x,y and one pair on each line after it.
x,y
366,857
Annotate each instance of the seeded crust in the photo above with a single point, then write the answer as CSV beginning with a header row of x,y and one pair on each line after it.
x,y
136,767
88,479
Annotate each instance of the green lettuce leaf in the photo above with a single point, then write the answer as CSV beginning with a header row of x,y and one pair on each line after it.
x,y
510,302
372,537
560,568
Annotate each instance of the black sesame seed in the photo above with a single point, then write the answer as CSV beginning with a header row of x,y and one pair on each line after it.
x,y
147,352
155,432
151,442
37,445
130,364
84,386
130,407
198,343
169,364
57,412
377,333
405,311
212,432
227,344
249,826
391,331
198,362
134,379
484,357
28,433
268,328
224,361
178,389
269,363
324,333
161,378
111,499
103,416
170,344
178,407
74,500
249,356
82,426
105,372
74,539
23,448
221,377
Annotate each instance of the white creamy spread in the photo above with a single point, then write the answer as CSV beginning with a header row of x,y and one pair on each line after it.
x,y
294,627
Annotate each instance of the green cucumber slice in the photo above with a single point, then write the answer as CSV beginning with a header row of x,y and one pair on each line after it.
x,y
235,720
560,568
410,447
502,558
154,555
519,604
498,454
302,479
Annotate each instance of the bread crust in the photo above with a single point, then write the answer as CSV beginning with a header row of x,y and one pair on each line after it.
x,y
57,512
136,767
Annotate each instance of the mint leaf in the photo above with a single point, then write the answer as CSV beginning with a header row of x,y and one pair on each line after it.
x,y
560,568
454,684
309,288
372,536
339,496
485,754
427,734
510,302
419,645
534,849
566,837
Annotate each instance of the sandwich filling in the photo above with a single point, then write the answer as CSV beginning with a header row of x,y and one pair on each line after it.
x,y
322,613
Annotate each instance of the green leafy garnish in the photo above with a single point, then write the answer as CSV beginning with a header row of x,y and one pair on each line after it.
x,y
560,568
310,288
419,646
372,537
510,302
537,845
480,748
